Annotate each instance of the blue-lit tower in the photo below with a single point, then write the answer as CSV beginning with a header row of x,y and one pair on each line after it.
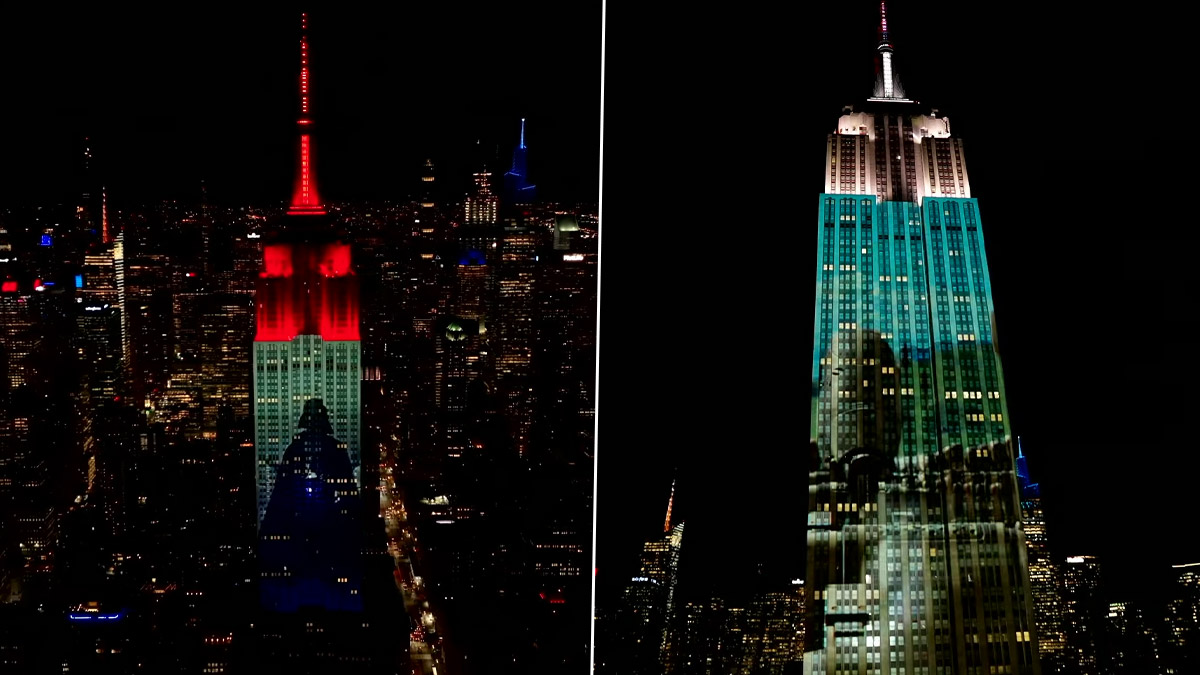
x,y
916,552
1044,578
517,189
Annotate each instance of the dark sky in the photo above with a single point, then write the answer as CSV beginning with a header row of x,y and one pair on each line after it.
x,y
170,96
716,125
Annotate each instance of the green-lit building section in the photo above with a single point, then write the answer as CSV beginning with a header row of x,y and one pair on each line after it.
x,y
916,555
972,401
286,374
903,326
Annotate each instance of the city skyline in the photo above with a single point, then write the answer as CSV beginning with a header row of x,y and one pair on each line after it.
x,y
173,99
458,399
1106,377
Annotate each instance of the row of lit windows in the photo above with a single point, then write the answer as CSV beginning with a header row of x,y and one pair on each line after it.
x,y
869,506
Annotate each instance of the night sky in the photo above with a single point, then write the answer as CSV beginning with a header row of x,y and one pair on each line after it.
x,y
174,96
709,256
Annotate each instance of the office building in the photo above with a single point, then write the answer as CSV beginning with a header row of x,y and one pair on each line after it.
x,y
1043,570
307,412
482,206
1183,619
916,555
642,639
1084,611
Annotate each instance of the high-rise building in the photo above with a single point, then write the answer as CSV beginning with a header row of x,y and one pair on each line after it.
x,y
916,555
1133,644
17,330
306,379
1084,613
1043,571
643,634
1183,619
515,342
482,206
517,188
428,199
773,633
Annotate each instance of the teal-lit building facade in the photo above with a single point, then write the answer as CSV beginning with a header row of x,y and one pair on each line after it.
x,y
907,284
916,553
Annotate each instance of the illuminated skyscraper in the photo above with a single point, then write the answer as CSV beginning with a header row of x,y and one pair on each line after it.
x,y
428,198
515,296
482,206
916,556
517,189
1183,618
1043,572
307,373
1084,612
648,605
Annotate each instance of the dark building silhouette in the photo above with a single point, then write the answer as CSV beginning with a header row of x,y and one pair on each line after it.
x,y
310,539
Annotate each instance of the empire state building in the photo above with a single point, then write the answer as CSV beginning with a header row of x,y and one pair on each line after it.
x,y
916,557
307,404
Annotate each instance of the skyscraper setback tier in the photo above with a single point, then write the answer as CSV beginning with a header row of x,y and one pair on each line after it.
x,y
916,554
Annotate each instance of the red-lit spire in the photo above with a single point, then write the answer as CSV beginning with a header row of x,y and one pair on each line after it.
x,y
105,236
305,199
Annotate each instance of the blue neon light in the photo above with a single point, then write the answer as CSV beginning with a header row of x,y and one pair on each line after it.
x,y
47,240
78,281
87,616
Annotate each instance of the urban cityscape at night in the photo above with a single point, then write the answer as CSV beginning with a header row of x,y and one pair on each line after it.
x,y
262,419
300,327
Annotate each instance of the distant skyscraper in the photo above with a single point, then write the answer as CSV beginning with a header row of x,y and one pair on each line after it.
x,y
515,294
98,320
17,330
1183,619
1043,571
482,205
1132,643
517,189
428,198
916,558
773,633
307,374
566,232
648,605
1084,610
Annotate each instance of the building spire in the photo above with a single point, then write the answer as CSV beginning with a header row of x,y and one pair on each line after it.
x,y
305,199
105,235
522,133
670,503
888,84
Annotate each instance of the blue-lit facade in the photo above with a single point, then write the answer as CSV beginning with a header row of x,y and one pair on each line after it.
x,y
517,189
